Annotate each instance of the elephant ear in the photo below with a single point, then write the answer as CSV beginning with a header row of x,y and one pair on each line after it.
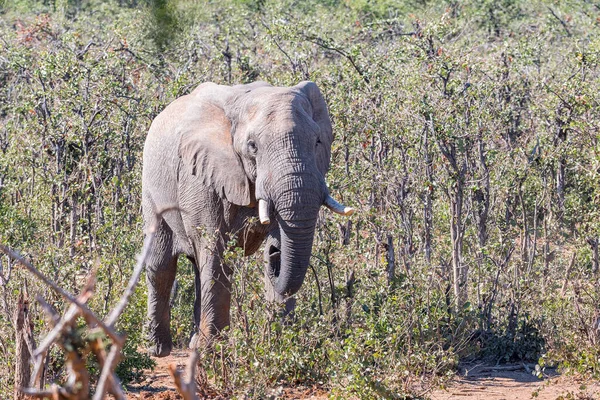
x,y
206,148
321,116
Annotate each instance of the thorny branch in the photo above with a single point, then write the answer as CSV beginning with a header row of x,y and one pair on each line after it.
x,y
83,308
63,332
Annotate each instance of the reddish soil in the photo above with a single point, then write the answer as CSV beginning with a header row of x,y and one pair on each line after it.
x,y
481,383
159,385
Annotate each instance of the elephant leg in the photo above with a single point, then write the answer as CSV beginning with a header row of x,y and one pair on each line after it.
x,y
272,258
215,295
161,267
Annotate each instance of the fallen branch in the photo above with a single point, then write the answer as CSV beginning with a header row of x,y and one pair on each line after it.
x,y
498,368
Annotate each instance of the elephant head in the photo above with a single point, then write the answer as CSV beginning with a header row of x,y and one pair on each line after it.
x,y
266,147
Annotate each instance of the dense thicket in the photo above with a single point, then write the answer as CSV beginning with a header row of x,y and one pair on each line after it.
x,y
466,136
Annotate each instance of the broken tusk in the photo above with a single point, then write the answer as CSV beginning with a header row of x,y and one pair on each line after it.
x,y
263,212
337,207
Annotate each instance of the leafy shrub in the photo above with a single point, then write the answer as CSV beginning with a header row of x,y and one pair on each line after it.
x,y
133,364
465,137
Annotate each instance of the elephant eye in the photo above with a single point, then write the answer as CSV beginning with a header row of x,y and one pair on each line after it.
x,y
252,148
318,142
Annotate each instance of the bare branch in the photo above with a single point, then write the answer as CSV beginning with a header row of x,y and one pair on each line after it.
x,y
114,387
84,309
70,316
49,310
186,387
55,392
116,312
325,45
563,23
78,383
567,273
107,371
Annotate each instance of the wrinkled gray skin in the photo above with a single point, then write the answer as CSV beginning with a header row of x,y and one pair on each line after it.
x,y
212,154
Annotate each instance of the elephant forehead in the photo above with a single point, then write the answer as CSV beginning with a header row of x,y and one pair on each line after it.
x,y
284,118
252,112
270,103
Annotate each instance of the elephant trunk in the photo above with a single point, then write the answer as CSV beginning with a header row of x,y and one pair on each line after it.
x,y
297,208
296,248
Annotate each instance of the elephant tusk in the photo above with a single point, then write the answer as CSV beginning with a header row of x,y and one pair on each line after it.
x,y
337,207
263,212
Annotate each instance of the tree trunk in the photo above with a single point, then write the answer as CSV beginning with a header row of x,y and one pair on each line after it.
x,y
345,231
22,371
427,201
73,226
562,126
593,242
390,259
455,192
482,206
456,234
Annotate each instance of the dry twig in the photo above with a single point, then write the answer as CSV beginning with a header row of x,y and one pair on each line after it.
x,y
66,336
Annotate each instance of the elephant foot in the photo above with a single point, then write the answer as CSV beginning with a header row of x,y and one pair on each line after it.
x,y
161,349
161,340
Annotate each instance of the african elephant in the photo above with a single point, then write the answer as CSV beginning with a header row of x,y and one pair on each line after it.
x,y
241,163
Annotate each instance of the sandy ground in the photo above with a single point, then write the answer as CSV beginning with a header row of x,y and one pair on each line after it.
x,y
504,383
482,382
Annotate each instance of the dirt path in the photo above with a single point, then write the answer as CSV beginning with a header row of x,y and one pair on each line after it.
x,y
519,384
483,383
159,383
